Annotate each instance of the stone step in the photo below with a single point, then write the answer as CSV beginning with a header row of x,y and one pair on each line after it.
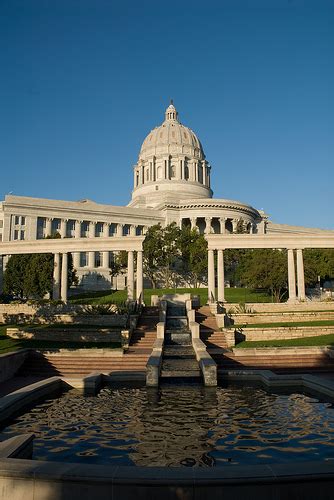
x,y
196,375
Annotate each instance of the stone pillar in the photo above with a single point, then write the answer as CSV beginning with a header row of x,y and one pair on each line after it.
x,y
222,222
132,230
105,260
119,230
140,285
63,226
91,260
291,276
234,225
251,228
48,228
76,260
211,276
193,221
91,229
106,230
1,274
207,225
300,275
56,276
77,229
64,277
221,276
130,276
145,229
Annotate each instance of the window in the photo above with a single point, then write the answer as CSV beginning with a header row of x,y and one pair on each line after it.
x,y
137,178
172,171
98,259
23,221
83,259
17,219
21,235
84,229
16,234
186,172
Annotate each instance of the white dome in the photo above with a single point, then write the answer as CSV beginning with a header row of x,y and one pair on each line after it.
x,y
172,136
171,165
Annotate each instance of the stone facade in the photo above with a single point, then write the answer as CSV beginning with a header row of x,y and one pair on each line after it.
x,y
171,184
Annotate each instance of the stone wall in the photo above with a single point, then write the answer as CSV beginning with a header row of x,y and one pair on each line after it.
x,y
308,305
279,317
11,362
67,335
253,334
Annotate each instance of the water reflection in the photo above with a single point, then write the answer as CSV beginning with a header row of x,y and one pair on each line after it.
x,y
180,426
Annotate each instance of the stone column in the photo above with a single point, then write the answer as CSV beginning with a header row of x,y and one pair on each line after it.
x,y
221,276
119,230
207,225
77,234
48,224
1,274
76,260
77,229
130,276
63,226
132,230
91,255
222,222
91,229
211,276
193,221
300,275
56,276
140,285
64,278
291,276
234,225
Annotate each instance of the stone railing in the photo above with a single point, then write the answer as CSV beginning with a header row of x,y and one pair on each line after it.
x,y
272,317
287,333
153,365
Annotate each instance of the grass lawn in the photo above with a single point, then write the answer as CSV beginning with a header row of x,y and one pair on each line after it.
x,y
232,295
8,344
290,324
322,340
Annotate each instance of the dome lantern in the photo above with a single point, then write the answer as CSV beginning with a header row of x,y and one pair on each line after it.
x,y
171,113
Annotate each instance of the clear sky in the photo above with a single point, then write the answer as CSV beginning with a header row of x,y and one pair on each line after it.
x,y
82,82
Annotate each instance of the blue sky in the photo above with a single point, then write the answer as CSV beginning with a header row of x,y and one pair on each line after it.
x,y
82,82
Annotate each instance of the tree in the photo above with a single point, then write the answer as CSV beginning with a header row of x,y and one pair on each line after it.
x,y
161,252
118,263
266,269
318,262
194,255
31,275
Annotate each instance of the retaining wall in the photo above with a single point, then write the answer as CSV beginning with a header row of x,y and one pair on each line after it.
x,y
253,334
11,362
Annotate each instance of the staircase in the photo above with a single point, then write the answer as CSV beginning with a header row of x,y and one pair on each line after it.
x,y
75,365
210,334
179,363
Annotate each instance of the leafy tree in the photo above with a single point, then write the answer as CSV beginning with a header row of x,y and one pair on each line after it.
x,y
318,262
118,263
194,256
31,275
161,253
265,268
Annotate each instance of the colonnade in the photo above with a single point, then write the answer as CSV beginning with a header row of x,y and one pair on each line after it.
x,y
222,225
60,276
295,293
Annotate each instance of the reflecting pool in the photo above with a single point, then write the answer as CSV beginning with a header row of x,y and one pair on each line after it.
x,y
180,426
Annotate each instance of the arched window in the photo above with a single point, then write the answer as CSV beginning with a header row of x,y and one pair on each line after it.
x,y
186,172
172,171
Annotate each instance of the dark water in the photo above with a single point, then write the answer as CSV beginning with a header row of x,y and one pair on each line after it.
x,y
180,426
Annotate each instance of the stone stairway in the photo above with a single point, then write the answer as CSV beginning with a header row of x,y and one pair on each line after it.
x,y
179,363
134,360
210,334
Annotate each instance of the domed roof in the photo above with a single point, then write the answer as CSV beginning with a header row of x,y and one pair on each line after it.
x,y
172,137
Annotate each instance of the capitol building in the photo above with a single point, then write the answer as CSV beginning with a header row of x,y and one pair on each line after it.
x,y
171,183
